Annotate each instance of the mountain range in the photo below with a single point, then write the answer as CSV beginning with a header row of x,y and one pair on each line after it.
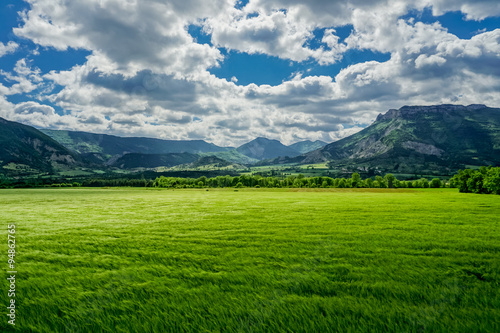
x,y
417,138
24,149
406,140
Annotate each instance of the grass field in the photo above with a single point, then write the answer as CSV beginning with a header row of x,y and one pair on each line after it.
x,y
253,260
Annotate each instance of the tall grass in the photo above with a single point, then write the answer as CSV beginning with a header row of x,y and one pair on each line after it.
x,y
268,260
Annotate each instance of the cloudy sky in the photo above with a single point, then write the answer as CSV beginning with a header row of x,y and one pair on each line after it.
x,y
228,71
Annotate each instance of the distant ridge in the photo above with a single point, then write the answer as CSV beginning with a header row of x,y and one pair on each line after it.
x,y
307,146
262,148
412,139
108,146
137,160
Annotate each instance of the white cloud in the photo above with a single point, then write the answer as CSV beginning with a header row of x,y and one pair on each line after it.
x,y
27,78
276,33
147,76
10,47
474,10
133,35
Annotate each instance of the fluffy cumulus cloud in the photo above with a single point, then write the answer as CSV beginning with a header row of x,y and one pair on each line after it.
x,y
146,74
10,47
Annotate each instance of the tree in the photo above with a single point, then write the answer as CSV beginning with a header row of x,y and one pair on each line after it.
x,y
381,182
356,180
492,180
460,180
475,182
203,180
389,178
5,182
435,183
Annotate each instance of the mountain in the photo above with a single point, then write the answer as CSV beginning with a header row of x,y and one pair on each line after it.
x,y
418,138
24,149
409,140
210,161
307,146
138,160
262,148
103,146
232,156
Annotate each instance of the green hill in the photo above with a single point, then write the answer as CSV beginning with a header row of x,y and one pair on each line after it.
x,y
26,150
304,147
137,160
233,156
103,146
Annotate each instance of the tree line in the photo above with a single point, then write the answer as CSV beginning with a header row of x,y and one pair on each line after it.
x,y
299,181
486,180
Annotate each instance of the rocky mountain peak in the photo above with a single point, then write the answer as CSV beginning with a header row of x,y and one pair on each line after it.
x,y
411,111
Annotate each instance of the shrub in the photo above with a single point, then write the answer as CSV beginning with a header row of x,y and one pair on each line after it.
x,y
435,183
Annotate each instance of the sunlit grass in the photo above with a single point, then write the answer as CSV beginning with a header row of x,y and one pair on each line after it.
x,y
253,260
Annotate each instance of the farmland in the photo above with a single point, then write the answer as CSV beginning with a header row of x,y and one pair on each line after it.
x,y
253,260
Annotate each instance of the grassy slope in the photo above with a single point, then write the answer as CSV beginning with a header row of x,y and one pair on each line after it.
x,y
136,260
232,156
111,145
17,146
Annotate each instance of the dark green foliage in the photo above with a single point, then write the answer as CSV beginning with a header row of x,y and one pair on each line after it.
x,y
485,180
492,181
294,182
435,183
389,180
118,182
356,180
5,182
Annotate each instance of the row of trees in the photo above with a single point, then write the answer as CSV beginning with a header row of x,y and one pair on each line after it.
x,y
118,182
389,181
485,180
33,183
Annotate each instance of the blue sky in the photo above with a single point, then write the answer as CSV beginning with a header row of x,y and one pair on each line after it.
x,y
228,71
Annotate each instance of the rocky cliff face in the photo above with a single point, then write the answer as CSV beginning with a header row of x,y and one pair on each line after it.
x,y
24,147
409,112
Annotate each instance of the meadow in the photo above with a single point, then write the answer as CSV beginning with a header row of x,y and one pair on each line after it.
x,y
252,260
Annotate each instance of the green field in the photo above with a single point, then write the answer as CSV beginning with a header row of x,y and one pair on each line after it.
x,y
253,260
